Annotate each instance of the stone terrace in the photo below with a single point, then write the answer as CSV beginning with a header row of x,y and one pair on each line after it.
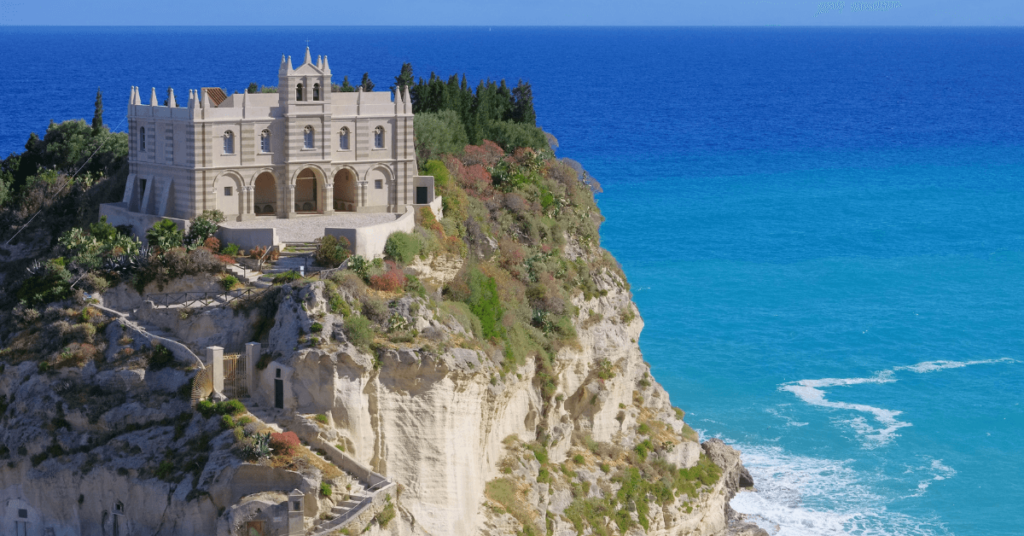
x,y
310,228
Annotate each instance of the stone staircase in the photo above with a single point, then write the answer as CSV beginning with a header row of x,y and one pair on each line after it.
x,y
293,257
248,277
354,500
349,502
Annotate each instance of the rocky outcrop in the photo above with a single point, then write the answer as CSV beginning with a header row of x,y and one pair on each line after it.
x,y
474,446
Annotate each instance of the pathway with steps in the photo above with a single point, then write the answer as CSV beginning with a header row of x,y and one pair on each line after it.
x,y
357,498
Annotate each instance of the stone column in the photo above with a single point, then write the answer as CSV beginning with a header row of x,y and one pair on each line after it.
x,y
291,201
252,355
247,213
215,362
296,510
328,197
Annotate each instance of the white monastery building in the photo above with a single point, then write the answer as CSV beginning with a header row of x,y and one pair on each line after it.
x,y
301,151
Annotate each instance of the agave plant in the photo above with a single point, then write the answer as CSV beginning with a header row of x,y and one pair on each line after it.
x,y
257,446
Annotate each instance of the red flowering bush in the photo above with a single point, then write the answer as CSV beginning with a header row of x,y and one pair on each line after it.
x,y
284,443
212,244
391,280
486,154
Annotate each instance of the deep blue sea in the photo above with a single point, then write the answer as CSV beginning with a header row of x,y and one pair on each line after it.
x,y
823,228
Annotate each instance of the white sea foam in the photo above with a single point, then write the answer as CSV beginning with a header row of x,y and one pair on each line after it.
x,y
933,366
804,496
938,472
813,393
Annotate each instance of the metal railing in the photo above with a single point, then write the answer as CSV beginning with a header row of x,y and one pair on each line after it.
x,y
326,273
186,299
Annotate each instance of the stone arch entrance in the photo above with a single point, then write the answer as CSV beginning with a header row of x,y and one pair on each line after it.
x,y
308,198
265,195
346,191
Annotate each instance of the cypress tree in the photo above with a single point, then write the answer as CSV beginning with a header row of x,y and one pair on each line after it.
x,y
367,83
97,115
404,78
523,111
253,88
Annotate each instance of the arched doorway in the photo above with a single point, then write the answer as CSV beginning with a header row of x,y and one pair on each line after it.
x,y
345,192
307,192
265,195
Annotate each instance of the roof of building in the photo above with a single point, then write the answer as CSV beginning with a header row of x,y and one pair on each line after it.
x,y
216,94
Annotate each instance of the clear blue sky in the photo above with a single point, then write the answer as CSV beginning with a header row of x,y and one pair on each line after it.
x,y
513,13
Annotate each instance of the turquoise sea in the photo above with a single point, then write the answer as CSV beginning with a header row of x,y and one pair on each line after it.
x,y
823,228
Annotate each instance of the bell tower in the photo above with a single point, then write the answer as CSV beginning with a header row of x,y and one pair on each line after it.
x,y
307,85
304,97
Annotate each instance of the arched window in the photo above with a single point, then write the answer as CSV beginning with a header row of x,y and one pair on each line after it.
x,y
298,92
343,139
316,91
229,142
265,141
142,138
307,138
378,137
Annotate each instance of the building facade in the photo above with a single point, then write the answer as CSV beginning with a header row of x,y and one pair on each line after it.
x,y
302,150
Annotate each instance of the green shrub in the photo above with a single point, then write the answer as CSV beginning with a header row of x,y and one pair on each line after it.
x,y
316,327
230,407
161,357
286,277
402,247
359,330
578,459
321,418
203,226
605,468
164,470
332,251
539,452
544,476
229,282
484,302
438,133
226,422
230,250
386,514
325,489
360,266
643,448
164,235
643,429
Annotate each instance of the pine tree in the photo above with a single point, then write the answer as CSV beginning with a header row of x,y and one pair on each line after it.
x,y
523,111
367,83
253,88
97,115
345,87
404,79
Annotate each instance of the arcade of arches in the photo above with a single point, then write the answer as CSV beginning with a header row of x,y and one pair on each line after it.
x,y
265,195
345,191
306,192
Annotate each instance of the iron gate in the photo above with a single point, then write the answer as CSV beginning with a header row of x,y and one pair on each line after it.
x,y
236,385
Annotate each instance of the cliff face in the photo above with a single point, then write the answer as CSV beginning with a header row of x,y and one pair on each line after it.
x,y
442,421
